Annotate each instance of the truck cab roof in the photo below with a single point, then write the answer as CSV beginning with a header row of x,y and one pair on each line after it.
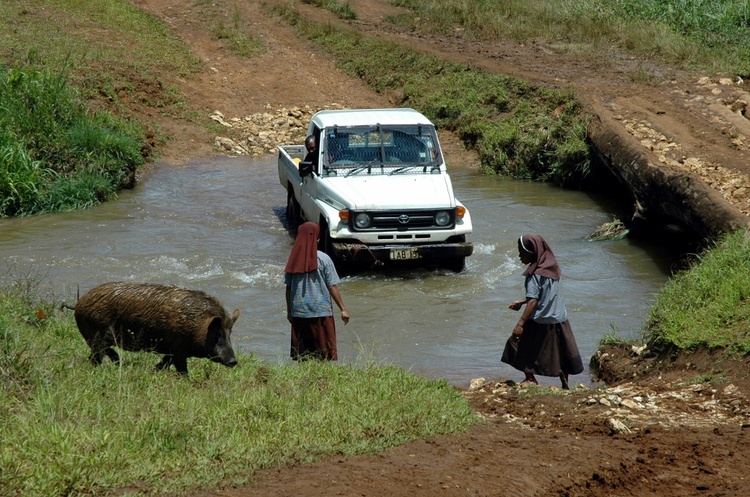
x,y
360,117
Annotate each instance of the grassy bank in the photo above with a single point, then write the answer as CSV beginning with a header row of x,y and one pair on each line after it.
x,y
711,36
54,154
68,138
69,428
115,52
707,305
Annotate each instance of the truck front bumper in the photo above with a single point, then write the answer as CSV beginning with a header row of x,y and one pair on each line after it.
x,y
386,254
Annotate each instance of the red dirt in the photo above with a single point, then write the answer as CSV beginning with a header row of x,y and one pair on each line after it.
x,y
655,430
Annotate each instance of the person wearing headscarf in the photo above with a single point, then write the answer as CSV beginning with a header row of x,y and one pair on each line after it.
x,y
542,342
311,288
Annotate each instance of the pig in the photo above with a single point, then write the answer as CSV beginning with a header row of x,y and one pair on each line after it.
x,y
169,320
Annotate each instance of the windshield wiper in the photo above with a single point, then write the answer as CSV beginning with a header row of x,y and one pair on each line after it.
x,y
356,170
401,169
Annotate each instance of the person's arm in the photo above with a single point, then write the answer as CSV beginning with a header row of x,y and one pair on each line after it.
x,y
517,304
527,313
336,295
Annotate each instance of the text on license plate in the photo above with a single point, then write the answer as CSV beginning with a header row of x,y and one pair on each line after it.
x,y
404,254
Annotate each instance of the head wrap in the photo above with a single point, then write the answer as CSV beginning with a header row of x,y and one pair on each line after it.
x,y
304,256
545,263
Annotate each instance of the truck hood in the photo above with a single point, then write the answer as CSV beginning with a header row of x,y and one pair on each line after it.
x,y
382,192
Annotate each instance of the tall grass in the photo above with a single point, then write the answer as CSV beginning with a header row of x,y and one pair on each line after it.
x,y
520,129
54,154
70,428
708,34
709,304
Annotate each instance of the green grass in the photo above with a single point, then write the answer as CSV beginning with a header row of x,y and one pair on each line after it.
x,y
519,129
710,35
230,27
70,428
107,44
343,10
67,139
71,75
707,305
54,154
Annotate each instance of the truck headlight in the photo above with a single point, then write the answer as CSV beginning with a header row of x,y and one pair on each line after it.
x,y
442,218
362,220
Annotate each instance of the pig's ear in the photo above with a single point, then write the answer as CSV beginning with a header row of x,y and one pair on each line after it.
x,y
214,325
235,315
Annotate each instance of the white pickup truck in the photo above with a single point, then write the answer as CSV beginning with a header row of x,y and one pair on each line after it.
x,y
379,189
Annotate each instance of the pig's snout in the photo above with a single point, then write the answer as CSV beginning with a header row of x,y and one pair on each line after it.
x,y
226,357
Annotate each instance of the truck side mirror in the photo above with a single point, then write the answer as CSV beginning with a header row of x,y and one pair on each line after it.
x,y
305,168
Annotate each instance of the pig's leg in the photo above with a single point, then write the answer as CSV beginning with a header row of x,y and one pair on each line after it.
x,y
100,345
112,354
166,361
180,362
96,356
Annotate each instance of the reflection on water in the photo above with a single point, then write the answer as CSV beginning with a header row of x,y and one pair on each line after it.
x,y
218,227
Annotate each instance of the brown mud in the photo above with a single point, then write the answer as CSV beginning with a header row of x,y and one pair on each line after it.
x,y
667,426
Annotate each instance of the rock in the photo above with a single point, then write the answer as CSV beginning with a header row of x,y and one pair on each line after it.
x,y
229,145
739,107
638,350
730,389
618,426
477,383
268,129
630,404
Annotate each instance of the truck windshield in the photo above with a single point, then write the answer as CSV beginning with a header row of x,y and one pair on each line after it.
x,y
382,149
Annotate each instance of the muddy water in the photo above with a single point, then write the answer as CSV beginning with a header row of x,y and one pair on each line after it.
x,y
219,227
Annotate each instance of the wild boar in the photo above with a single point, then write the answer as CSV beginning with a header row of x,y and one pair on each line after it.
x,y
169,320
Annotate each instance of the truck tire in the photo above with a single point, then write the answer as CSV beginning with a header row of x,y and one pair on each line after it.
x,y
325,245
324,242
456,264
293,214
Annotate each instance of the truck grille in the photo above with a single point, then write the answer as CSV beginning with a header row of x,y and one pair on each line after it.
x,y
402,220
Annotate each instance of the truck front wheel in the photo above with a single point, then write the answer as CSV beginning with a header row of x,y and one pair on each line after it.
x,y
326,245
456,264
293,215
324,242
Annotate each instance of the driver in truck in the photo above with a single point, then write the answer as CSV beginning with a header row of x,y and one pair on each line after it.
x,y
312,151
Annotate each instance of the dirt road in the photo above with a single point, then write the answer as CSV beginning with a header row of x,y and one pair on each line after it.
x,y
659,434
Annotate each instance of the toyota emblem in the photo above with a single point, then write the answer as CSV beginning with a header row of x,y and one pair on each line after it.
x,y
403,219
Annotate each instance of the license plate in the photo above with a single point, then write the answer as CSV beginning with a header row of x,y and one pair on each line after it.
x,y
404,254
